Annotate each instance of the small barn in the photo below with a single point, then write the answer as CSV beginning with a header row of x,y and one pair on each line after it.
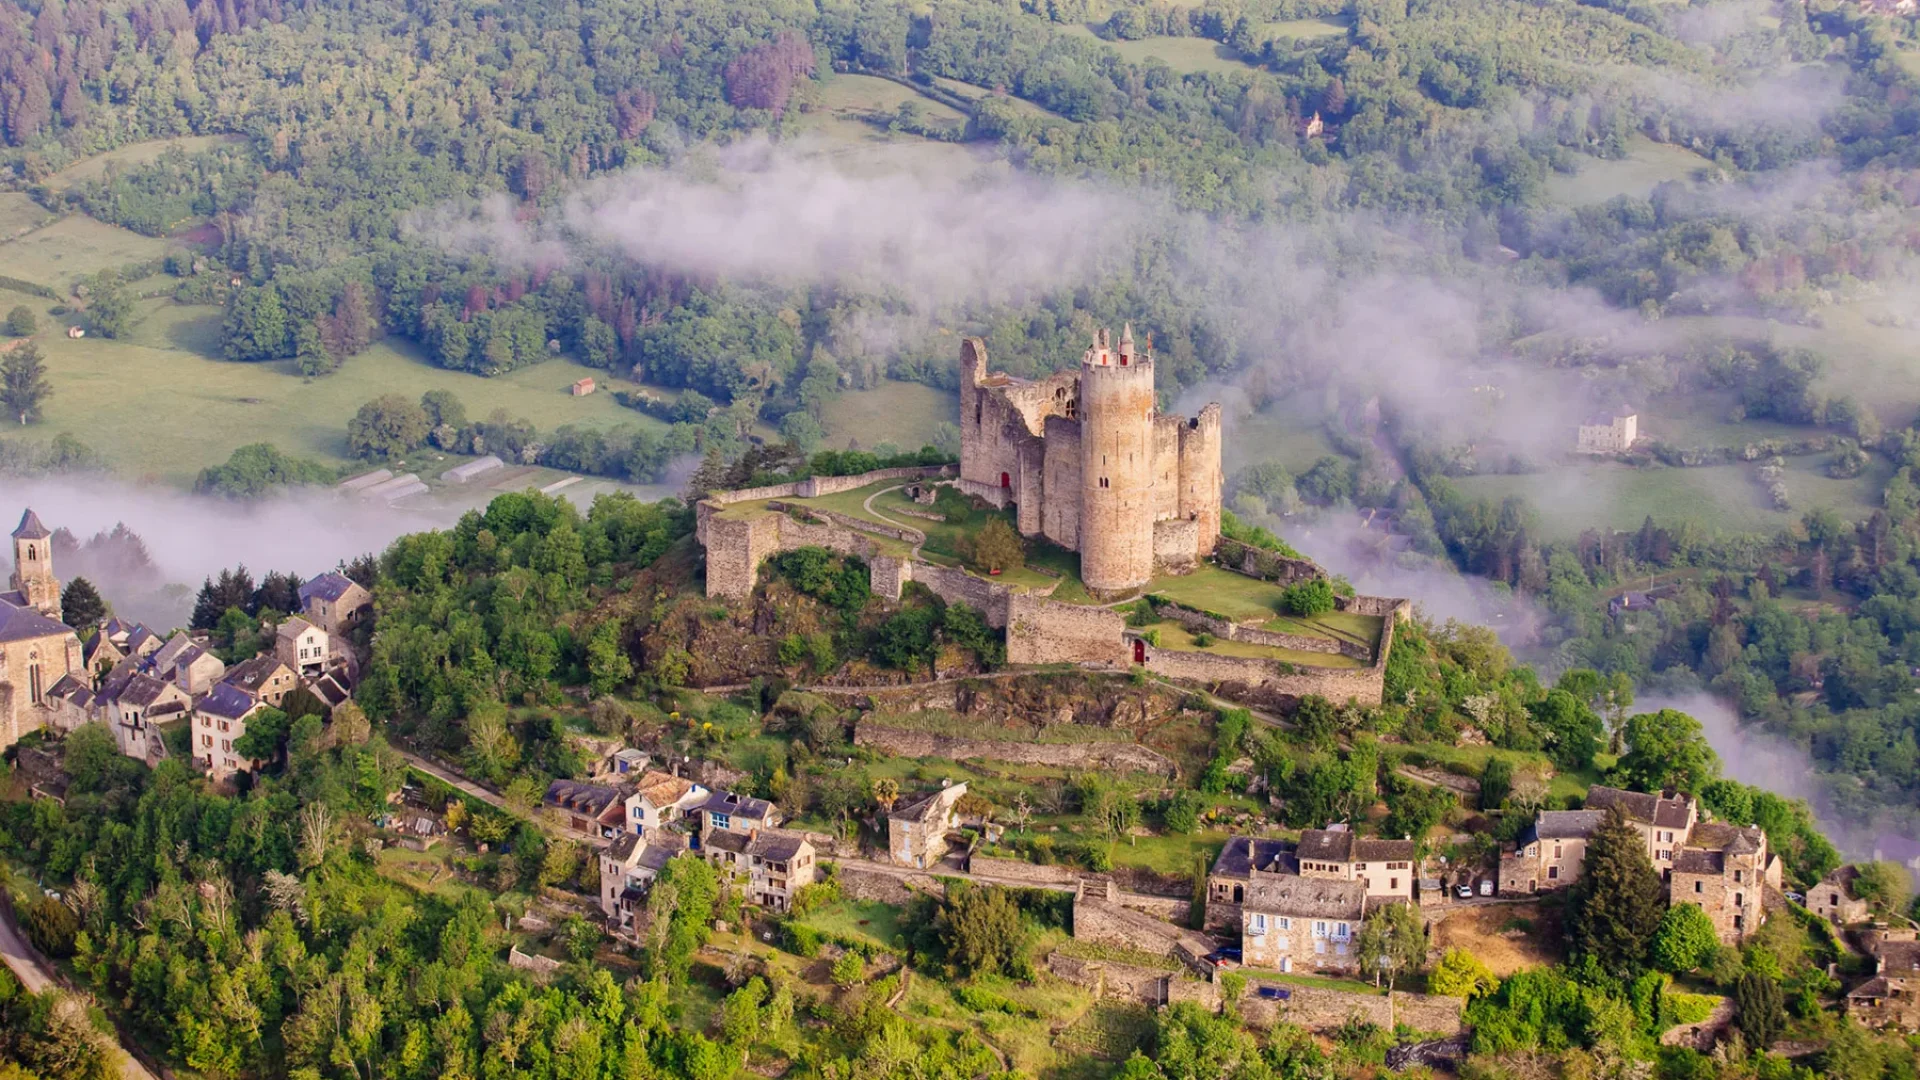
x,y
583,387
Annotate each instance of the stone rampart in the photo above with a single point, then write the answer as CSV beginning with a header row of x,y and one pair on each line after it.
x,y
1202,622
1043,631
815,486
1386,607
956,586
1027,873
1261,563
861,884
1269,679
1119,756
1126,982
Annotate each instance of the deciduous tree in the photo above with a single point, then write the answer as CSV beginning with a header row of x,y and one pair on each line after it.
x,y
24,388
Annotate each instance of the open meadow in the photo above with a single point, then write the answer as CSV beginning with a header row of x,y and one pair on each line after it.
x,y
1646,165
837,122
900,413
132,154
74,247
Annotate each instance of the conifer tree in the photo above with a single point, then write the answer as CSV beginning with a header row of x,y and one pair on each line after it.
x,y
1616,908
81,606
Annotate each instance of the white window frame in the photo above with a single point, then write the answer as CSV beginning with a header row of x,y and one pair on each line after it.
x,y
1319,928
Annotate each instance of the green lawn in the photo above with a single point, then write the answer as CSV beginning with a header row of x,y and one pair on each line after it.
x,y
76,246
171,408
1339,625
1647,164
1182,54
1322,982
1168,853
834,125
1173,635
1475,758
866,919
1324,26
900,413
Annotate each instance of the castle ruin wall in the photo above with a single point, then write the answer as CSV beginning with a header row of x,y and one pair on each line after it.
x,y
1116,756
1043,631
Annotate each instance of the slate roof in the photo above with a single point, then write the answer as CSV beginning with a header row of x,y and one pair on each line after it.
x,y
722,840
1664,811
141,691
778,845
1693,860
250,676
1897,956
228,702
1732,839
292,627
177,646
71,689
1568,824
726,802
30,527
591,799
19,622
1876,988
1328,845
1244,854
139,640
1369,849
1842,878
924,809
622,847
329,586
1307,898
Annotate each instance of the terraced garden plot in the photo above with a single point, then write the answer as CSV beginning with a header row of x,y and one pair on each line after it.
x,y
1173,635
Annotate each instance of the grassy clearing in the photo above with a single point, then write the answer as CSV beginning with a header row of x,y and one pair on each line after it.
x,y
864,919
900,413
60,254
1211,588
1720,499
173,409
836,126
975,93
1188,55
1474,760
1288,431
1647,164
139,153
1300,29
1319,982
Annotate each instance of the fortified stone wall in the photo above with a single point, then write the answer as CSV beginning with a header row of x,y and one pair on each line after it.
x,y
1265,677
847,521
1263,564
1312,1007
1050,632
1200,621
861,884
1029,873
959,587
1386,607
1175,541
1119,756
735,548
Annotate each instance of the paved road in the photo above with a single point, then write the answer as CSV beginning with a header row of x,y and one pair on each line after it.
x,y
21,959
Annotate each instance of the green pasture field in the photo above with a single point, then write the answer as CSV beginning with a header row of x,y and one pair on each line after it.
x,y
834,123
1173,635
855,96
901,413
1188,55
1289,432
19,214
869,919
1720,499
161,406
975,93
76,246
139,153
1647,163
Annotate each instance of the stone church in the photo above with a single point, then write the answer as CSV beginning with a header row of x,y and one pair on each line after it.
x,y
1090,463
37,650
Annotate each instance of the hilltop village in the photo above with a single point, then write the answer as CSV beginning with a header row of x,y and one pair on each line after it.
x,y
1188,705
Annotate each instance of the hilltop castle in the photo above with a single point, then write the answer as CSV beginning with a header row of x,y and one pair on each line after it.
x,y
1089,463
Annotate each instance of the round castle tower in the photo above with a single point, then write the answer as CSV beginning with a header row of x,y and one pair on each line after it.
x,y
1116,467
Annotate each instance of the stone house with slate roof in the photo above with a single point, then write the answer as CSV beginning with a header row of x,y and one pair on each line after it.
x,y
333,600
627,869
917,831
1233,871
1385,867
1833,899
1891,996
1727,870
37,650
596,809
263,678
219,720
1295,923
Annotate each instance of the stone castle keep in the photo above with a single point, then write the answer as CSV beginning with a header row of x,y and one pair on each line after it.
x,y
1088,463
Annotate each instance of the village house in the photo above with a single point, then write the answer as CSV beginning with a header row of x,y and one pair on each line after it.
x,y
263,678
726,812
596,809
134,707
219,720
1664,821
1833,899
779,863
1291,923
1728,871
301,646
659,799
1233,871
332,601
627,868
37,650
1384,867
1891,997
917,831
624,763
188,665
1549,853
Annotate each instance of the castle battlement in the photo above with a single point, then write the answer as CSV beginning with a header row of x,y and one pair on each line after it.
x,y
1088,462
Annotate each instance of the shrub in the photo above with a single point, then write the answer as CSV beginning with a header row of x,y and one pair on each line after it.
x,y
803,940
1308,598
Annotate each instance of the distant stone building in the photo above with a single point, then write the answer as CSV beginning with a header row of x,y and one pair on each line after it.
x,y
1613,434
301,646
627,869
583,387
1890,998
1833,899
917,831
333,600
1550,853
218,722
1088,462
37,650
1233,871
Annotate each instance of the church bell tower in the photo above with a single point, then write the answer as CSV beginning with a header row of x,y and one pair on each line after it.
x,y
33,566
